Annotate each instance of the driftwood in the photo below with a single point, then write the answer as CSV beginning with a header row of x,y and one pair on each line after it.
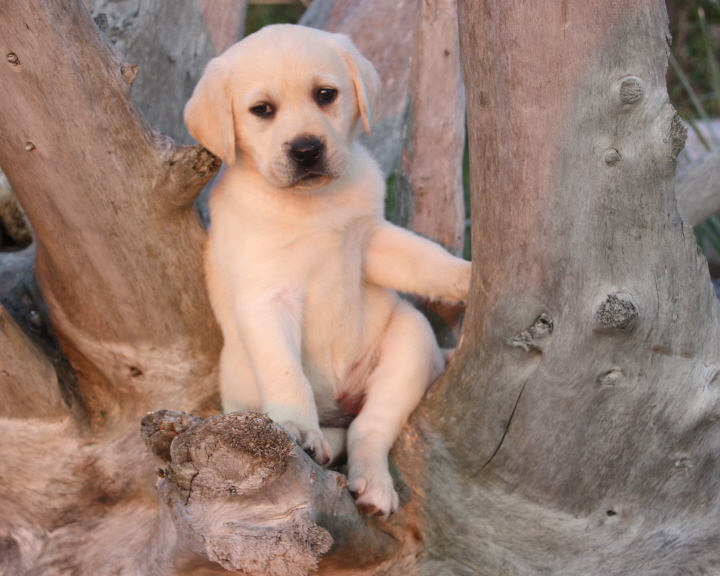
x,y
575,431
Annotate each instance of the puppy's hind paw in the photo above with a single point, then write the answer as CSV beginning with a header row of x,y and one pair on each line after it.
x,y
374,493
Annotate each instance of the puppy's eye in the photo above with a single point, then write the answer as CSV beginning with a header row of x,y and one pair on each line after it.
x,y
325,95
263,110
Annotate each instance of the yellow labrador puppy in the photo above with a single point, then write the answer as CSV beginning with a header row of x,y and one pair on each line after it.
x,y
301,266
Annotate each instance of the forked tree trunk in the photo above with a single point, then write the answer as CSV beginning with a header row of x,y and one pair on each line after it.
x,y
573,433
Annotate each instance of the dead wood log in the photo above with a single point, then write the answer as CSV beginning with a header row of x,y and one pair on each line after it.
x,y
241,494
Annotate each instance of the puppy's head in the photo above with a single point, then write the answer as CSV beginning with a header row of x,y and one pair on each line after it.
x,y
285,102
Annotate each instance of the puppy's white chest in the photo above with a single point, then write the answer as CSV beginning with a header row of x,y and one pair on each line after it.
x,y
308,261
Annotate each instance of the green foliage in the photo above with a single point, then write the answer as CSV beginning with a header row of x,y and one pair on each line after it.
x,y
259,15
695,28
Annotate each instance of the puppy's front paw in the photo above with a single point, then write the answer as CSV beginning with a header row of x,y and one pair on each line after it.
x,y
305,434
461,283
373,490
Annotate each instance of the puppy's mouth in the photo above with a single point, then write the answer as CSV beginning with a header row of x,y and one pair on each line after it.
x,y
311,178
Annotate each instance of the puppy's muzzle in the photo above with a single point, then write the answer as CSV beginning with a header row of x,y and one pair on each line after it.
x,y
307,152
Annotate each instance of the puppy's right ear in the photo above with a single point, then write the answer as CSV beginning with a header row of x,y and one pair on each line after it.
x,y
364,77
208,113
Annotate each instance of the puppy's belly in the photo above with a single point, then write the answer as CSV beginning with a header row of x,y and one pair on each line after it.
x,y
341,350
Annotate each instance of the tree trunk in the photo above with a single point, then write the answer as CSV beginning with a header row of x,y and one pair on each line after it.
x,y
590,344
573,433
118,249
698,188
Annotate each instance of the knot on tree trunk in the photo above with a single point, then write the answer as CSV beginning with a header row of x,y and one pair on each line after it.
x,y
678,135
192,166
529,339
617,311
239,491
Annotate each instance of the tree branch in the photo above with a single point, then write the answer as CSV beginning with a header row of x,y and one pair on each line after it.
x,y
429,186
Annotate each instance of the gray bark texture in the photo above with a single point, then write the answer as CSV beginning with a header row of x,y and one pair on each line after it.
x,y
574,432
590,347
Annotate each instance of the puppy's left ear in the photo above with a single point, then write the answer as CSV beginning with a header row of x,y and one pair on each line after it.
x,y
208,113
365,79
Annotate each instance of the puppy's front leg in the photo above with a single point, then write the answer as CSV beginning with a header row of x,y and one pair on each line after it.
x,y
398,259
269,327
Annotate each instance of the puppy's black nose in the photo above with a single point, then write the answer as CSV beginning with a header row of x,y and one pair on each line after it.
x,y
306,151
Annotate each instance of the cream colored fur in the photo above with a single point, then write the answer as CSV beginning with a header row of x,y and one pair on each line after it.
x,y
303,272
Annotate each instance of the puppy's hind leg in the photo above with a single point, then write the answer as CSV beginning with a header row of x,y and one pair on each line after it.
x,y
410,361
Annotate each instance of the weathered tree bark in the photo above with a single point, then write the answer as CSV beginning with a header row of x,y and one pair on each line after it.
x,y
29,383
573,433
429,195
590,349
119,264
118,244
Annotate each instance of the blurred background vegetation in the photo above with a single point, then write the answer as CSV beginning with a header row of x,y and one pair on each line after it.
x,y
262,14
695,28
694,88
